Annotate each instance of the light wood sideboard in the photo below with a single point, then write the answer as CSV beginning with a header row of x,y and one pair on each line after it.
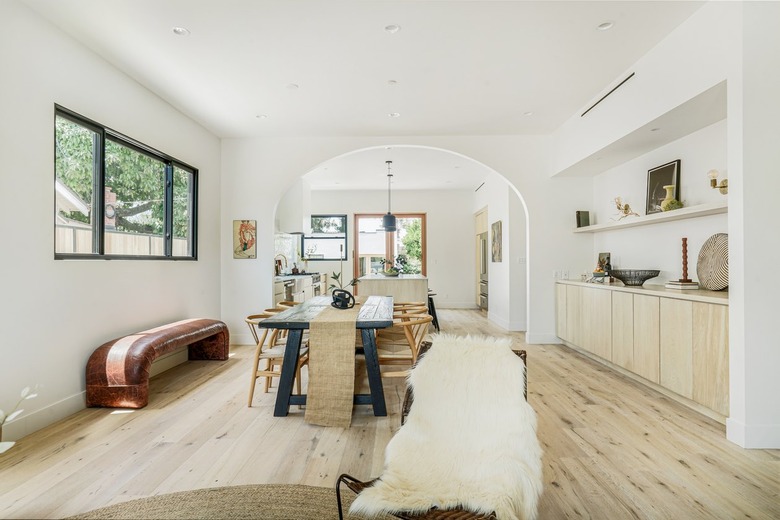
x,y
676,341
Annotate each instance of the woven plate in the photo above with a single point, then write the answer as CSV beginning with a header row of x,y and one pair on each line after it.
x,y
713,265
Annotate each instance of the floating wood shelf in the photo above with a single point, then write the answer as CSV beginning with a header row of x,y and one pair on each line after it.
x,y
702,210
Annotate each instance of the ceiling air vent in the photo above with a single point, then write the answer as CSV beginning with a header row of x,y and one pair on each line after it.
x,y
607,94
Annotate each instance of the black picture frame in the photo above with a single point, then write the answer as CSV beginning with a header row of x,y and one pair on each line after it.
x,y
657,178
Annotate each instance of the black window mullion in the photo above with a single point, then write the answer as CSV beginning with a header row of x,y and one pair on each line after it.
x,y
98,192
101,137
168,224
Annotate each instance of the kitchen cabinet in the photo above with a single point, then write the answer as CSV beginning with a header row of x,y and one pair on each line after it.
x,y
278,292
647,341
623,330
678,340
560,312
635,334
403,288
677,346
711,356
596,323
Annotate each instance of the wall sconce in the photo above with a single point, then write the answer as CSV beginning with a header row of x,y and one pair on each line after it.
x,y
722,186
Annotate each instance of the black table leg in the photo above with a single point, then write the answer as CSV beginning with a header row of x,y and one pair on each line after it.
x,y
291,353
374,376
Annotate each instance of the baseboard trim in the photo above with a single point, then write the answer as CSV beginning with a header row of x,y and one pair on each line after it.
x,y
31,422
455,305
48,415
764,436
541,339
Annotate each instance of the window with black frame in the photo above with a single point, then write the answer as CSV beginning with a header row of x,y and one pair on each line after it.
x,y
118,198
328,238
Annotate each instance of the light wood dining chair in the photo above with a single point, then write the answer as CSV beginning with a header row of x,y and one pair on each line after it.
x,y
400,343
273,354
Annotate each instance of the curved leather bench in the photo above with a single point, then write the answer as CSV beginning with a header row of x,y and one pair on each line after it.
x,y
118,371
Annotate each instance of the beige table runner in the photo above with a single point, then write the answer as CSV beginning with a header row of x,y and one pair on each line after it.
x,y
331,367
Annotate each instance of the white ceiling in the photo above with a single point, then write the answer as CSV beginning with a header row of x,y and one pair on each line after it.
x,y
461,67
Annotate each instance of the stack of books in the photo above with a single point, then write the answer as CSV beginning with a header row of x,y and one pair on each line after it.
x,y
677,284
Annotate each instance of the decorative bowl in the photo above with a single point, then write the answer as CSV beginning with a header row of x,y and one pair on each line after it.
x,y
390,273
634,276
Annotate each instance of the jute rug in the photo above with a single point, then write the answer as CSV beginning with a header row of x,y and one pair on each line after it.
x,y
266,502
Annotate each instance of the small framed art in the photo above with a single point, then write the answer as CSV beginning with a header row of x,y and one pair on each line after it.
x,y
658,177
244,239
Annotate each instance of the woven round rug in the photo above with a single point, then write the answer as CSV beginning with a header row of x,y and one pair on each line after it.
x,y
268,501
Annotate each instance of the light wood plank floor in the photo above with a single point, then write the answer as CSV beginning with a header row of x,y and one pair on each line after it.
x,y
613,449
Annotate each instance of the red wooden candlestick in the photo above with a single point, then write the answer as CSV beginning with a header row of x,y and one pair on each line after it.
x,y
685,262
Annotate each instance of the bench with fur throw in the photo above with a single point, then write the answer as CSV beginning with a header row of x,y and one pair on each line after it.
x,y
469,441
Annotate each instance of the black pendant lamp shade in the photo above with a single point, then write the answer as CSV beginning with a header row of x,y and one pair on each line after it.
x,y
388,221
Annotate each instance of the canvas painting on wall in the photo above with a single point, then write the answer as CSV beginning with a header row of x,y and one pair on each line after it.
x,y
496,243
244,239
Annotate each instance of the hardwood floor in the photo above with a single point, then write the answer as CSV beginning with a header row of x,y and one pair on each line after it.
x,y
613,448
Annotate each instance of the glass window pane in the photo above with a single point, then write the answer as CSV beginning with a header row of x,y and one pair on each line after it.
x,y
135,195
328,224
183,182
371,244
75,172
408,242
324,248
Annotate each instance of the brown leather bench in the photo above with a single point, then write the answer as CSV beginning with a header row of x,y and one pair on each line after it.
x,y
118,371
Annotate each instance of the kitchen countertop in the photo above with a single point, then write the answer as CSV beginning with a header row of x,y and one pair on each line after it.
x,y
399,277
698,295
285,277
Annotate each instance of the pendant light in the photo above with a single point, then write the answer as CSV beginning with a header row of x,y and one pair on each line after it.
x,y
388,221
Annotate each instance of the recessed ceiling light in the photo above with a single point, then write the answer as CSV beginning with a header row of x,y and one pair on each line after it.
x,y
262,116
529,113
181,31
393,114
392,82
605,26
654,129
392,29
292,86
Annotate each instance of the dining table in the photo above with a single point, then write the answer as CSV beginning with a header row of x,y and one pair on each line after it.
x,y
375,312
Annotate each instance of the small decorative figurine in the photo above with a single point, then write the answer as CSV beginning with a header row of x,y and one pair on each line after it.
x,y
624,209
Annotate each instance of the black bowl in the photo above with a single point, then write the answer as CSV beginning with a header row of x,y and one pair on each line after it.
x,y
634,276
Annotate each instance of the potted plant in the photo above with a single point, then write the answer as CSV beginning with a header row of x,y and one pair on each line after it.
x,y
401,266
27,393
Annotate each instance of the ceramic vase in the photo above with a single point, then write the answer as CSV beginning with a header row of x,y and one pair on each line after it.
x,y
670,203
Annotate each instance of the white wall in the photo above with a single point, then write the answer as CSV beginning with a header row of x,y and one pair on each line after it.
x,y
257,173
55,313
449,228
507,280
660,246
755,349
734,42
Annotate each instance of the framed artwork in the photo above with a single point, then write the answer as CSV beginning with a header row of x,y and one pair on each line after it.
x,y
658,177
496,241
244,239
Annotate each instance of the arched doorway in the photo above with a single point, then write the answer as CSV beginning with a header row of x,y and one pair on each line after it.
x,y
449,188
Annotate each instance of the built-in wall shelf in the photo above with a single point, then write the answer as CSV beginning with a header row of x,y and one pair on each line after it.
x,y
702,210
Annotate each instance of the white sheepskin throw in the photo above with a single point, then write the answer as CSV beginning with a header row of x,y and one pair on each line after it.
x,y
469,439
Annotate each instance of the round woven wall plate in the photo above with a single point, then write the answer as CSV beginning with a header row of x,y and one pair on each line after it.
x,y
713,265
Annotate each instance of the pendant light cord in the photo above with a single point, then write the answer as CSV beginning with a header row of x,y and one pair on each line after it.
x,y
389,176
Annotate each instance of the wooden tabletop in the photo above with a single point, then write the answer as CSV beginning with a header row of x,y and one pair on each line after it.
x,y
375,313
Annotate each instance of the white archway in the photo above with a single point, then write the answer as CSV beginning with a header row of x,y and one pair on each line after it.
x,y
380,152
